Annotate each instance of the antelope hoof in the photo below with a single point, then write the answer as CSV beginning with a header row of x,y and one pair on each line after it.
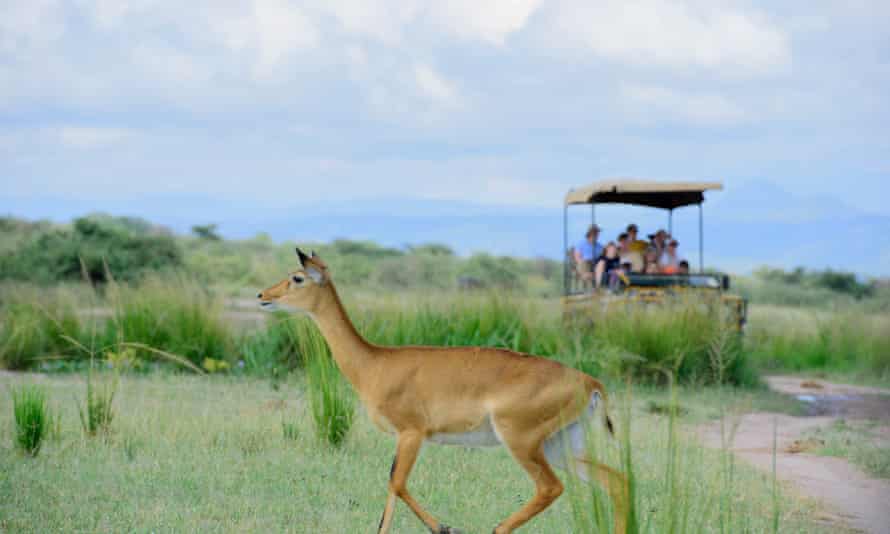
x,y
443,529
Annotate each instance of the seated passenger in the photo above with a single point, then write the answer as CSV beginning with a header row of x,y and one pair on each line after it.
x,y
651,262
634,249
683,267
586,251
659,240
607,266
670,262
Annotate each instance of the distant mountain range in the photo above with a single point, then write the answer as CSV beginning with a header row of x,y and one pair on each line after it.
x,y
746,226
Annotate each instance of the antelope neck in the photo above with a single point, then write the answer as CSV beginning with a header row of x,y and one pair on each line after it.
x,y
350,350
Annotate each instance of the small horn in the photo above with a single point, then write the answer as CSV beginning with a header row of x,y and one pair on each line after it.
x,y
302,257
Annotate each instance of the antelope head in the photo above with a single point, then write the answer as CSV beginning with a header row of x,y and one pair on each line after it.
x,y
302,291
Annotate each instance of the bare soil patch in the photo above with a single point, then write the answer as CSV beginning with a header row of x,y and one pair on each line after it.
x,y
853,498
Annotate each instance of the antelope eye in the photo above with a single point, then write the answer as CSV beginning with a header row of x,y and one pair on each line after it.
x,y
297,279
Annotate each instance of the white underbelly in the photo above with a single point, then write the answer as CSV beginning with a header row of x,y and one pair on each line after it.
x,y
481,436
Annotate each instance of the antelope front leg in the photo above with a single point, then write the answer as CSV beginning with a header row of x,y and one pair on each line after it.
x,y
389,509
407,449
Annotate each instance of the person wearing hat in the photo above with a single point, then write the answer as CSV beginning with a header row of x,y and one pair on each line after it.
x,y
587,251
658,240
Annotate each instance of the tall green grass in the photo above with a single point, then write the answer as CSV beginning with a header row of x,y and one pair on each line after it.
x,y
174,319
692,342
275,349
170,314
97,412
674,485
37,325
847,342
178,320
331,401
32,418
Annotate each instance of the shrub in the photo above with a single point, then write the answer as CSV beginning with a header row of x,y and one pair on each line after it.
x,y
494,272
93,246
32,420
206,231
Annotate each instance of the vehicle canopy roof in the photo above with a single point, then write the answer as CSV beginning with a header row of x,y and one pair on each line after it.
x,y
665,195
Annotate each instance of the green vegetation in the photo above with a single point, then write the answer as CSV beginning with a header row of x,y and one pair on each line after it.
x,y
331,400
206,451
174,320
94,247
196,453
98,410
823,290
850,343
32,418
35,326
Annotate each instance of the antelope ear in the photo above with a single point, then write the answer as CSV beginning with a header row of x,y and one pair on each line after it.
x,y
302,257
316,275
317,259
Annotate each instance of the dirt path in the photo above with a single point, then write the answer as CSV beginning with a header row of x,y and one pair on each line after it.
x,y
852,497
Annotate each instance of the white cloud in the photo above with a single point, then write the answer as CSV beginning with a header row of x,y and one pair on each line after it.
x,y
491,21
673,34
281,28
383,20
573,85
436,87
653,103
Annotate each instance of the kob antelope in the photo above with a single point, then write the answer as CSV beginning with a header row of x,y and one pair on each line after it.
x,y
471,396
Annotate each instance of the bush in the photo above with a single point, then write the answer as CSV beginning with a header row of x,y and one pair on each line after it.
x,y
94,247
32,420
493,272
417,271
838,282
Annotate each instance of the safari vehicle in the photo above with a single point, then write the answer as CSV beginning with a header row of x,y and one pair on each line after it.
x,y
698,288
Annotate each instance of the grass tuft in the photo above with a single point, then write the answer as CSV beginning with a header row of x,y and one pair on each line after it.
x,y
331,400
97,413
32,418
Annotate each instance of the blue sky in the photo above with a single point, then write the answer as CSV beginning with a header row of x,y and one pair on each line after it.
x,y
275,107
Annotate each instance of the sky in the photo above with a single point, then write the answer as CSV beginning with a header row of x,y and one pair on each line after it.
x,y
277,107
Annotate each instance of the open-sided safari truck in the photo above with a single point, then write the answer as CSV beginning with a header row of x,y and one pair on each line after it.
x,y
696,288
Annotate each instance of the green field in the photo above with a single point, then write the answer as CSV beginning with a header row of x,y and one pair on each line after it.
x,y
192,453
223,420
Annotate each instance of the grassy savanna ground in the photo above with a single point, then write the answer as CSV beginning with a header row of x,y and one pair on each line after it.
x,y
208,454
